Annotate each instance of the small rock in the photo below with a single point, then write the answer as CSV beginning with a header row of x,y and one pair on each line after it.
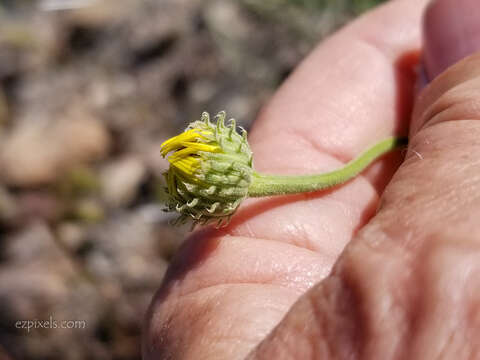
x,y
27,158
85,138
224,17
202,90
35,153
121,179
72,235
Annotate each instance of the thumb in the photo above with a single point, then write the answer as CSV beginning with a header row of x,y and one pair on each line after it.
x,y
409,285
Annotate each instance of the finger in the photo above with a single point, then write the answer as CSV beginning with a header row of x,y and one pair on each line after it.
x,y
225,293
451,33
407,286
351,92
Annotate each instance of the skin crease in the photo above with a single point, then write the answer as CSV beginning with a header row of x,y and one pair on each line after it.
x,y
278,283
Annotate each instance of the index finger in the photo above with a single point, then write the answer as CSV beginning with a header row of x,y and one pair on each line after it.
x,y
351,92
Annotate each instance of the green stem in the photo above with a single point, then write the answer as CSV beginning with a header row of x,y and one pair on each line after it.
x,y
267,185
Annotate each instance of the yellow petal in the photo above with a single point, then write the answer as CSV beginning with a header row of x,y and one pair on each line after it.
x,y
179,154
187,165
177,142
201,147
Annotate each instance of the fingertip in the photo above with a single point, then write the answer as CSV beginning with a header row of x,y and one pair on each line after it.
x,y
451,31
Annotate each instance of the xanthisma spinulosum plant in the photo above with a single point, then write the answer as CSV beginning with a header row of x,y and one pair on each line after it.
x,y
211,171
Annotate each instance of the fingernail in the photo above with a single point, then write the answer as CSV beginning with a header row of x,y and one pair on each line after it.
x,y
451,31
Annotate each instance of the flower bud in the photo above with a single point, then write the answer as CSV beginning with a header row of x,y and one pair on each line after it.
x,y
210,170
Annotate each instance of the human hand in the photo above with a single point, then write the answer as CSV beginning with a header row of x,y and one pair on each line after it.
x,y
406,285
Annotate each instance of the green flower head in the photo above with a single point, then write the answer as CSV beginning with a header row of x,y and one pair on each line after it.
x,y
210,170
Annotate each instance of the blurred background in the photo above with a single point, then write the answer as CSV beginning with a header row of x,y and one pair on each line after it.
x,y
88,92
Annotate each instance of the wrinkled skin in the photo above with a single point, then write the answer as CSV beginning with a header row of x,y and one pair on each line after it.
x,y
366,270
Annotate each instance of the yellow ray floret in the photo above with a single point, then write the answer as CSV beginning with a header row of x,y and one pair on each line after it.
x,y
186,148
183,140
187,165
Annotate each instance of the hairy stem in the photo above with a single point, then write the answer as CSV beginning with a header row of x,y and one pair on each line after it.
x,y
267,185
